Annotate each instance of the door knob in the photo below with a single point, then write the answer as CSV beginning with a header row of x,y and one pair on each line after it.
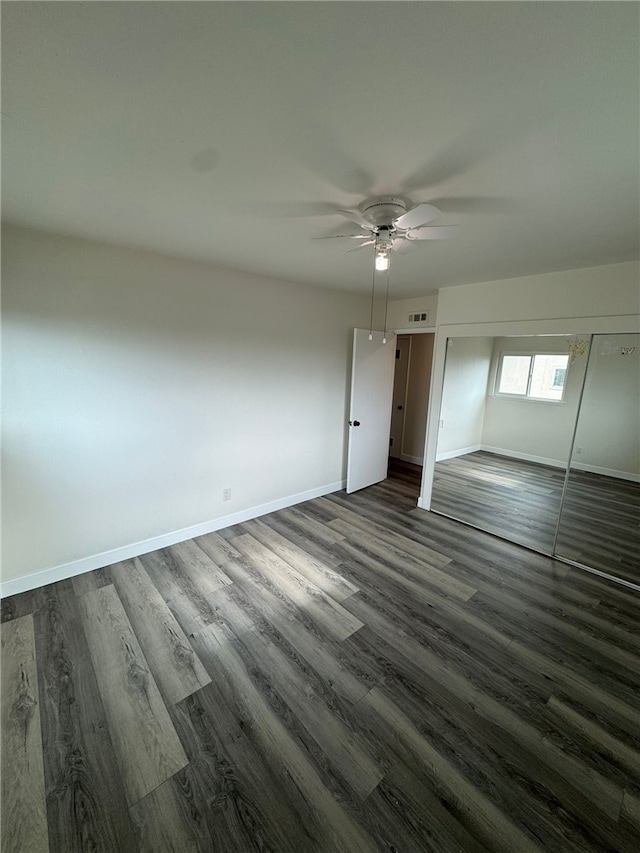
x,y
399,408
354,423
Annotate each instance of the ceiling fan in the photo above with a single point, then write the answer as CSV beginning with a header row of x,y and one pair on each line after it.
x,y
392,223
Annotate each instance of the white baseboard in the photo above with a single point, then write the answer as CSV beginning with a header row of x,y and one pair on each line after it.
x,y
608,472
527,457
417,460
544,460
127,552
462,451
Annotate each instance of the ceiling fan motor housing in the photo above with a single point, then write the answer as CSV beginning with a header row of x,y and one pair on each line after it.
x,y
383,239
382,210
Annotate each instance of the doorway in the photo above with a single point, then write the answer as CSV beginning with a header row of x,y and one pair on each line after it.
x,y
411,386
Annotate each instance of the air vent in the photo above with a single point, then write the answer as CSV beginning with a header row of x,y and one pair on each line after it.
x,y
419,317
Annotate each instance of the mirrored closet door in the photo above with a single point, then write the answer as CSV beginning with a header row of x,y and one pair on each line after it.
x,y
514,411
600,516
507,417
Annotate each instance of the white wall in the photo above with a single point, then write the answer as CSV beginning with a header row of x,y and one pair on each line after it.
x,y
417,402
591,292
399,310
138,386
538,430
464,395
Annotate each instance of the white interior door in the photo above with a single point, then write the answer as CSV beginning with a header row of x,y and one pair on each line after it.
x,y
372,370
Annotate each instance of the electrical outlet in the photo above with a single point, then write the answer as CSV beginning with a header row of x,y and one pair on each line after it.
x,y
440,424
226,494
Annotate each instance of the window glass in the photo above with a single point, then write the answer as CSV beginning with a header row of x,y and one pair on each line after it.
x,y
514,375
547,377
539,376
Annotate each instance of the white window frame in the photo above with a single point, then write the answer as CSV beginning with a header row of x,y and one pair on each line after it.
x,y
526,396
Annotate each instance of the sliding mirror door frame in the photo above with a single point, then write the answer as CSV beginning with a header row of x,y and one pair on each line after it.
x,y
570,327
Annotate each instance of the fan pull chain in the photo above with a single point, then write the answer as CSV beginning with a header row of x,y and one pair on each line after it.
x,y
373,290
386,302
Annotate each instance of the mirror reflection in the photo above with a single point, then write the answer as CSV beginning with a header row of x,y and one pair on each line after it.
x,y
508,413
600,518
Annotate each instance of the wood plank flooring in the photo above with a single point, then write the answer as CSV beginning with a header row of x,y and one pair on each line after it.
x,y
600,524
513,498
351,674
520,501
24,823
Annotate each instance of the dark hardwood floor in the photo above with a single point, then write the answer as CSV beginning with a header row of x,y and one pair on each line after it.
x,y
600,524
513,498
350,674
520,500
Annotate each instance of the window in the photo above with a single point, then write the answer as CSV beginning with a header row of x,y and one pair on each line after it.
x,y
535,376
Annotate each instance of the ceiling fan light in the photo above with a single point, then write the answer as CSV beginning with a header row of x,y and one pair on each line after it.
x,y
382,261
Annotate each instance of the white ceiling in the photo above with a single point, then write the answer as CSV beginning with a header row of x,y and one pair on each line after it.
x,y
229,131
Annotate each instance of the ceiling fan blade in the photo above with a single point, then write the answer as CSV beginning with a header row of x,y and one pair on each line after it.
x,y
481,142
284,209
336,236
361,246
357,217
475,204
418,215
433,232
401,246
321,152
